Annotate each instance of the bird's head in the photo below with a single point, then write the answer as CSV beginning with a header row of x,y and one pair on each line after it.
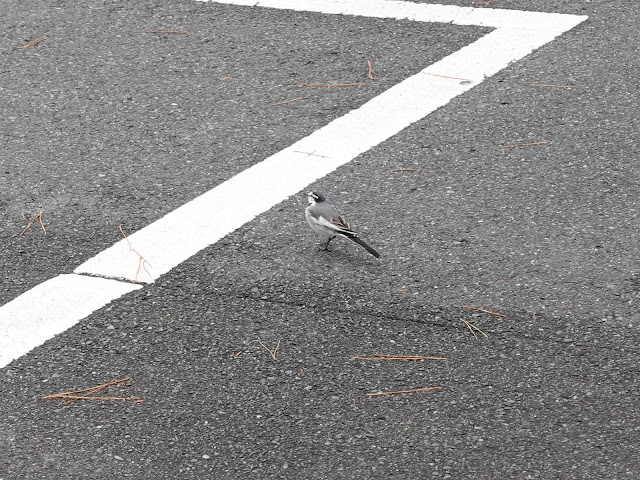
x,y
314,197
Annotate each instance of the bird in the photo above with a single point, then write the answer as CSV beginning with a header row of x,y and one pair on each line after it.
x,y
325,220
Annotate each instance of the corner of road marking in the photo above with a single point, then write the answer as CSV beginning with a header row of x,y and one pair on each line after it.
x,y
142,257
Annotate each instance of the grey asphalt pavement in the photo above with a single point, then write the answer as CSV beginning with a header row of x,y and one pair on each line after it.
x,y
103,125
106,126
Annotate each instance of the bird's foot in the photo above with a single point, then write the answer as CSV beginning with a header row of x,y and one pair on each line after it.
x,y
326,245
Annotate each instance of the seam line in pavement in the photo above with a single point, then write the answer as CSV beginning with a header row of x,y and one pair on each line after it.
x,y
116,279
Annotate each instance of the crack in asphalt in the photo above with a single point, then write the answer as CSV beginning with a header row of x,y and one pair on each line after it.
x,y
445,312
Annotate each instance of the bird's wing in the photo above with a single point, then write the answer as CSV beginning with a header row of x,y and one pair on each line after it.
x,y
341,222
331,225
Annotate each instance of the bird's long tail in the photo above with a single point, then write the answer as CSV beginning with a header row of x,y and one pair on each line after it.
x,y
369,249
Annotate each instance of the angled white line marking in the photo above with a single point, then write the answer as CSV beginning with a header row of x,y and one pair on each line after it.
x,y
51,308
203,221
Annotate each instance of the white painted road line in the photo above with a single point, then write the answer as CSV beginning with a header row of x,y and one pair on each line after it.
x,y
51,308
184,232
434,13
194,226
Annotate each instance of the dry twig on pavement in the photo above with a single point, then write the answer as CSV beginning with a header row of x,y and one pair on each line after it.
x,y
37,217
446,76
142,262
311,154
273,352
370,70
88,392
33,42
473,329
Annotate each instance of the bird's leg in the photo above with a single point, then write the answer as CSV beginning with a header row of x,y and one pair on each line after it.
x,y
326,246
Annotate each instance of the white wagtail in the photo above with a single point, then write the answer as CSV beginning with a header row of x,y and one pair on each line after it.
x,y
325,220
